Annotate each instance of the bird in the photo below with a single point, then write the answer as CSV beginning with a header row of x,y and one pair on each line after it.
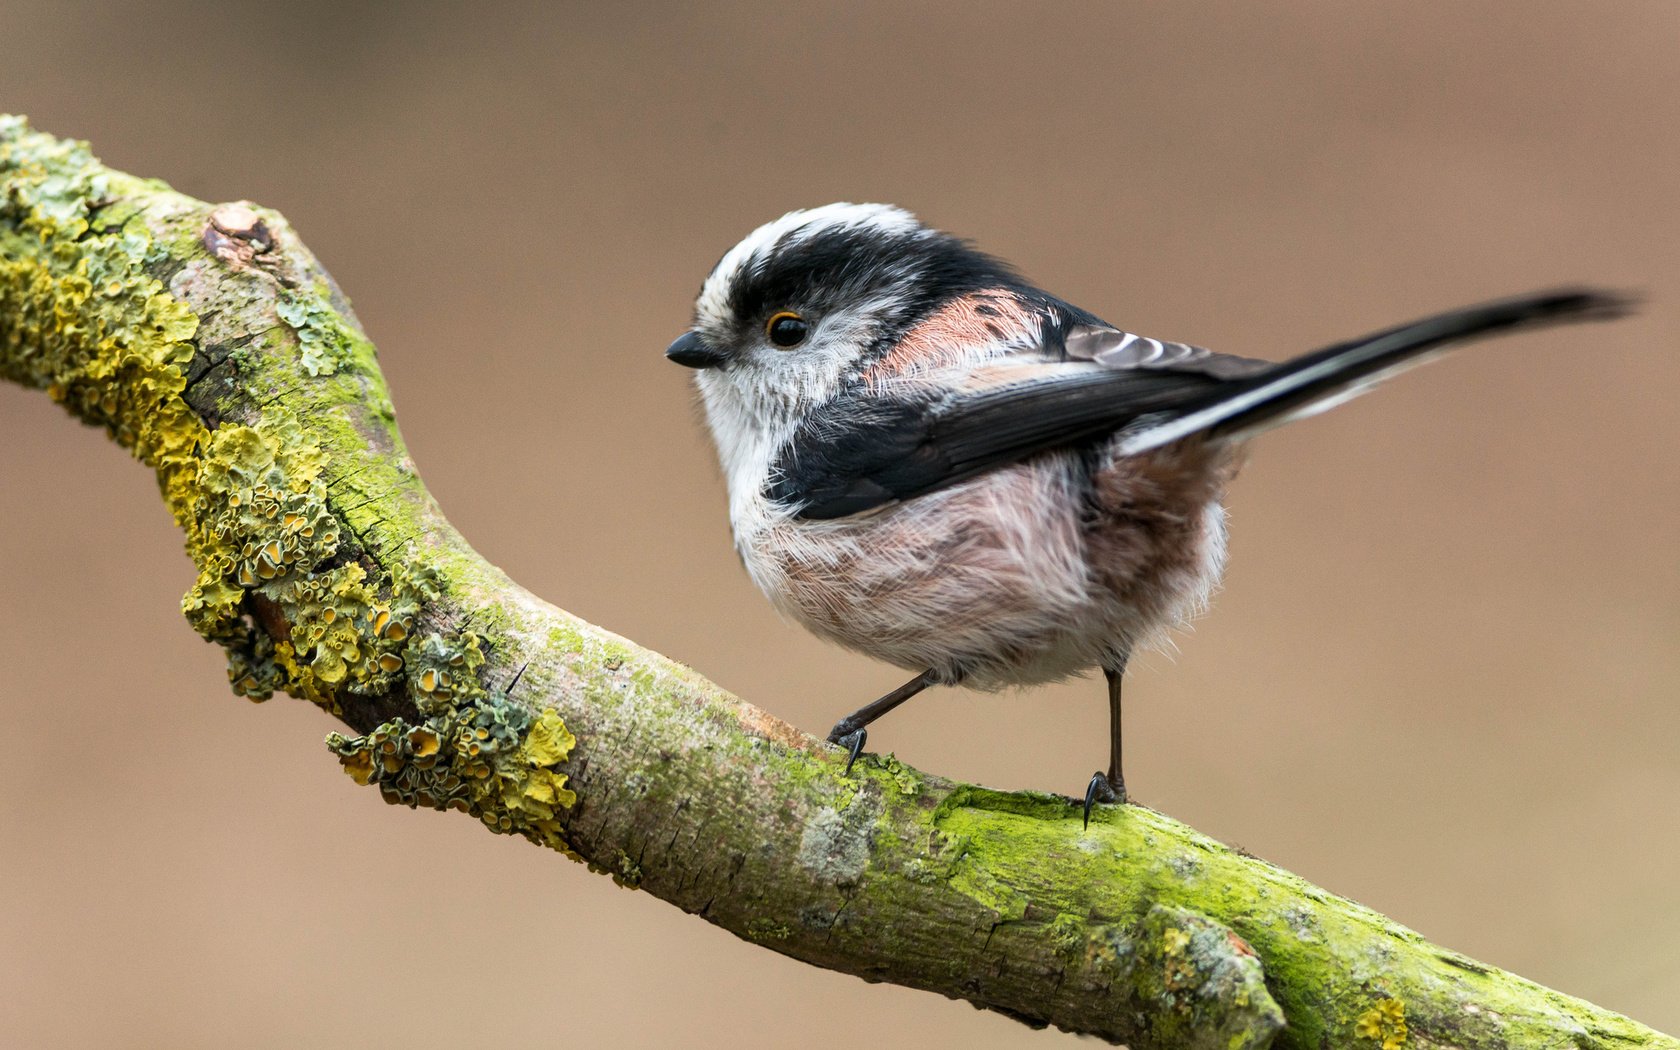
x,y
934,462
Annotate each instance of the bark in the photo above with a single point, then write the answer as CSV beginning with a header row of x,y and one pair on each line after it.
x,y
209,342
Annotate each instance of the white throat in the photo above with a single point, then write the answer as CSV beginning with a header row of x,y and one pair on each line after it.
x,y
747,430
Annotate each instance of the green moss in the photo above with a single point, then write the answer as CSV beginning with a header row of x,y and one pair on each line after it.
x,y
629,873
762,930
905,780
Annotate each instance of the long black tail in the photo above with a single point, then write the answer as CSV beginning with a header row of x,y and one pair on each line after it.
x,y
1316,381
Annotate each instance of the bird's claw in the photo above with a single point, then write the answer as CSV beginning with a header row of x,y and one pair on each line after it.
x,y
1101,789
852,742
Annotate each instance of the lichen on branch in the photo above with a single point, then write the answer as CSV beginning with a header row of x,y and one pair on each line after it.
x,y
210,342
281,585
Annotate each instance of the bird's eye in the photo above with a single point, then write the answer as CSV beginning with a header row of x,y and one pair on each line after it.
x,y
786,329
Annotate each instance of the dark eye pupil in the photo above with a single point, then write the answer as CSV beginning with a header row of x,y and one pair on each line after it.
x,y
788,331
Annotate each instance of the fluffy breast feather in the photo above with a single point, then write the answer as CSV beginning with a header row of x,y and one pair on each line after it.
x,y
1027,574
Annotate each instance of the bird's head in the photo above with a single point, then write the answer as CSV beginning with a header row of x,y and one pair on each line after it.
x,y
811,299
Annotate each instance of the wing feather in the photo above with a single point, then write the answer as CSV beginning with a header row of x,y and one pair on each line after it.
x,y
860,451
1084,380
1113,348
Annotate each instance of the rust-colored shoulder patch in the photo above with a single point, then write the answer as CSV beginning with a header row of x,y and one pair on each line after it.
x,y
955,332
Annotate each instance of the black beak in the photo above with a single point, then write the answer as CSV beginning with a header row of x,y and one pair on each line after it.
x,y
691,350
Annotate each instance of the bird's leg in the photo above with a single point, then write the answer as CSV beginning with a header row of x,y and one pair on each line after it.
x,y
1110,786
850,733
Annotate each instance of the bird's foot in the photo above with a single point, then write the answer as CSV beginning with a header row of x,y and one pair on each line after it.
x,y
1102,789
850,739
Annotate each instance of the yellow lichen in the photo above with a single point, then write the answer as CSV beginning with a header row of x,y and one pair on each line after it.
x,y
1179,970
1385,1022
258,523
549,741
492,759
476,751
85,315
359,766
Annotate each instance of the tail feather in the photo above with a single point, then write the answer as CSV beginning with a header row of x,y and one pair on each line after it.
x,y
1318,380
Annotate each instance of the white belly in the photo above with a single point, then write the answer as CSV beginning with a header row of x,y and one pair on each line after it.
x,y
995,581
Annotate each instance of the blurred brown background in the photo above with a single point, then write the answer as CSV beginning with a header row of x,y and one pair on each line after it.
x,y
1443,675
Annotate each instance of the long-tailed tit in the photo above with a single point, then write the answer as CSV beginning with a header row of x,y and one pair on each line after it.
x,y
933,462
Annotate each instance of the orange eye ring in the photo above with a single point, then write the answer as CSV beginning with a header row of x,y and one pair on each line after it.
x,y
786,329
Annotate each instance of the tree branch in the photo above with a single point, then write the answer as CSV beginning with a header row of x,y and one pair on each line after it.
x,y
209,342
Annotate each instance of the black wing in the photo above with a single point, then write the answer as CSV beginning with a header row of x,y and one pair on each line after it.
x,y
866,450
863,451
